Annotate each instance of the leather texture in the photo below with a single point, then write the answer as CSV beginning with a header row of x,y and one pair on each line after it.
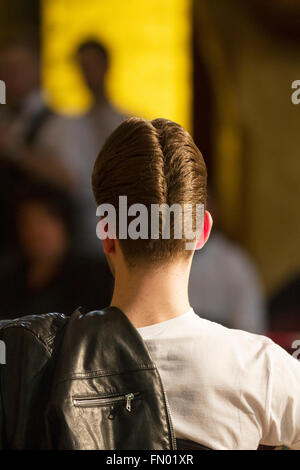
x,y
80,382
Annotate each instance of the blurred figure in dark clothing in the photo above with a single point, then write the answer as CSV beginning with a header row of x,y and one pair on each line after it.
x,y
45,275
25,119
26,111
284,307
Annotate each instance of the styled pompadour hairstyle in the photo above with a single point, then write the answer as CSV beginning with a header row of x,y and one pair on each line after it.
x,y
150,162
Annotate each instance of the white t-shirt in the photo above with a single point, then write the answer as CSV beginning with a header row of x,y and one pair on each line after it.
x,y
227,389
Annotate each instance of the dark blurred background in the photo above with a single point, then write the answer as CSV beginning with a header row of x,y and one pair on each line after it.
x,y
223,69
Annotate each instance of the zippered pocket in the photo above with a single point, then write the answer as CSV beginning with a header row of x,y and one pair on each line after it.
x,y
107,401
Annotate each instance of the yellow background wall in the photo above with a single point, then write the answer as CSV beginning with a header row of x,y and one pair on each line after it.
x,y
149,42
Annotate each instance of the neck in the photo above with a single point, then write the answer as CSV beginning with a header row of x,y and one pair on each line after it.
x,y
100,98
153,296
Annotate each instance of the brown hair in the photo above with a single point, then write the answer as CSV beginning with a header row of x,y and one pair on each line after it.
x,y
150,162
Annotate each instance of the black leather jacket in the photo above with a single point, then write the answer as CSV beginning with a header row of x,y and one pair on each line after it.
x,y
80,382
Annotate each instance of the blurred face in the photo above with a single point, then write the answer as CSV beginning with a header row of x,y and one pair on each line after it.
x,y
93,68
42,235
19,69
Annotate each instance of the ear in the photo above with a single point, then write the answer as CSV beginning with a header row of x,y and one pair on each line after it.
x,y
108,241
108,245
207,226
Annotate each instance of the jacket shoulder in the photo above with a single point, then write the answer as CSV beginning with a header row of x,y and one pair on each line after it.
x,y
44,328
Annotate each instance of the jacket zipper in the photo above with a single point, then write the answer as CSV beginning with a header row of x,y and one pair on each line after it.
x,y
127,398
105,401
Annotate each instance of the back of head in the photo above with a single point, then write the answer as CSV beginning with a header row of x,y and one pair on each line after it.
x,y
150,162
96,47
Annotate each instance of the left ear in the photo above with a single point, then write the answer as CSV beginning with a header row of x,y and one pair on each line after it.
x,y
207,226
108,245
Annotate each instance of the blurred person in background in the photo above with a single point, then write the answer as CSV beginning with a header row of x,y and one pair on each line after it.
x,y
224,283
77,140
25,111
93,59
23,121
25,118
46,275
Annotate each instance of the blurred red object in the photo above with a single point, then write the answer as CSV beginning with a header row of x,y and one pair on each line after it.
x,y
290,341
